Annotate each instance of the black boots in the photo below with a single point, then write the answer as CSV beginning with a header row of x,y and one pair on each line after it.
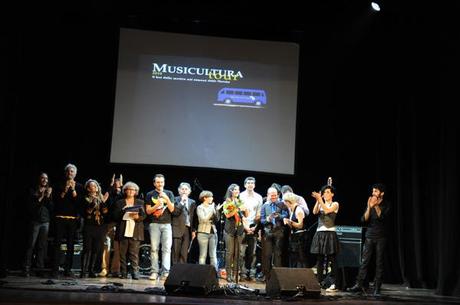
x,y
377,289
135,275
26,271
88,263
92,265
84,265
358,287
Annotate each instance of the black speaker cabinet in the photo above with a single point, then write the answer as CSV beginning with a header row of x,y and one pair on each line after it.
x,y
77,255
191,279
350,239
291,281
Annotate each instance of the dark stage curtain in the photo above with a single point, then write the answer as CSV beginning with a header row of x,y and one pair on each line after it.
x,y
427,201
448,200
415,153
427,204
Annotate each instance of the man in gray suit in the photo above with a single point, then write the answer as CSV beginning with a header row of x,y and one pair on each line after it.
x,y
182,224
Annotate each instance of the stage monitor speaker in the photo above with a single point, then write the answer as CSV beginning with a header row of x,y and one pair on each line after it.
x,y
292,281
191,279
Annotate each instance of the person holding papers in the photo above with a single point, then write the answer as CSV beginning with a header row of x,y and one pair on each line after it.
x,y
129,214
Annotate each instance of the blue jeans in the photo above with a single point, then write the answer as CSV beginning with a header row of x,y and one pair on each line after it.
x,y
160,232
39,232
208,243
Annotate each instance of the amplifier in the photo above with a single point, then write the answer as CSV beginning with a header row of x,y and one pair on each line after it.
x,y
349,233
77,248
350,239
77,255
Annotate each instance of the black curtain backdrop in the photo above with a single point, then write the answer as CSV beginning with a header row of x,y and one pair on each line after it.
x,y
376,103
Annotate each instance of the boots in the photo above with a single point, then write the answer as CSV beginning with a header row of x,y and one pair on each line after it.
x,y
135,275
92,265
84,265
377,289
358,287
26,271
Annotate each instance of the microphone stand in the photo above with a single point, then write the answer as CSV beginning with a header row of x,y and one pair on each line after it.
x,y
236,250
237,288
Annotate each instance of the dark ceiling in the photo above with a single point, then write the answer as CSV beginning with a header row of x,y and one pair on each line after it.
x,y
233,18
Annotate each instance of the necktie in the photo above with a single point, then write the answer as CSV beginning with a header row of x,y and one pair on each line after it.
x,y
187,219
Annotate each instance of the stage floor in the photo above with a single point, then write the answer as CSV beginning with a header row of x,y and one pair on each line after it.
x,y
35,290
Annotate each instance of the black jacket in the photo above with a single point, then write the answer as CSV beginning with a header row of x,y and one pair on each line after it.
x,y
40,211
118,213
178,217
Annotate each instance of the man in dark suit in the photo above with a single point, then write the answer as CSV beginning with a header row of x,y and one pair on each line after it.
x,y
183,228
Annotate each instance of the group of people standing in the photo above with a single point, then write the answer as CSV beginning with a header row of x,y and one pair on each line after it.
x,y
114,222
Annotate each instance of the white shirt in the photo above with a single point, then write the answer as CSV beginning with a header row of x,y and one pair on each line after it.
x,y
253,203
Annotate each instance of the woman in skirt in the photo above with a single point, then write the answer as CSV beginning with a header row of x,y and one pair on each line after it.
x,y
325,243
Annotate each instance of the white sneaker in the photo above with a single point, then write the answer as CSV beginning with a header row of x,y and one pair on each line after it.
x,y
164,276
331,288
153,276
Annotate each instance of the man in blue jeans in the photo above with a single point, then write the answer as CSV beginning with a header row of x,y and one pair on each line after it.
x,y
40,209
159,205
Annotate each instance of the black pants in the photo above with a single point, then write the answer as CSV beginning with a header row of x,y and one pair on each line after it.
x,y
180,247
65,228
272,249
297,253
129,249
93,245
249,246
371,245
323,261
115,245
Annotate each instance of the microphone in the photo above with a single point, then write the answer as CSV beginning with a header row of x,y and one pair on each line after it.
x,y
240,214
197,184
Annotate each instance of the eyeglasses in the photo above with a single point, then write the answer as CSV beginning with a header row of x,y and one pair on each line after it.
x,y
130,189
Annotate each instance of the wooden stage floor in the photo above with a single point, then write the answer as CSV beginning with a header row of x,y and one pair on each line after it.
x,y
36,290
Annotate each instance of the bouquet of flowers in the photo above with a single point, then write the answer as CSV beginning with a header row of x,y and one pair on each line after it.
x,y
230,206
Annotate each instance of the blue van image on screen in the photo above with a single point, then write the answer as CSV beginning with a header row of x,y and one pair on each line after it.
x,y
243,96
